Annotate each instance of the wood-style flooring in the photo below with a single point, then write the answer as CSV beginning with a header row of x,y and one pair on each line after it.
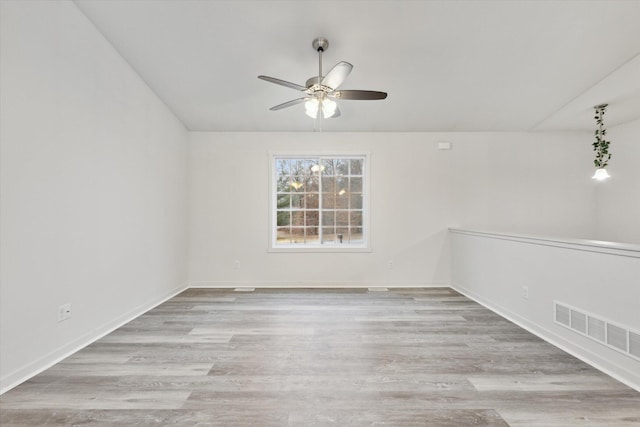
x,y
320,357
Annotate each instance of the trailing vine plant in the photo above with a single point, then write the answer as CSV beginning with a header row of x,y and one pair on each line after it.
x,y
601,145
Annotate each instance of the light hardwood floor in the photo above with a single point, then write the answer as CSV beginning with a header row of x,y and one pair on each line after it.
x,y
304,357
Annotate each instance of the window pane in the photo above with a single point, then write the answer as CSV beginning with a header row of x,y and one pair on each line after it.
x,y
297,201
296,184
297,167
341,185
313,184
342,235
342,218
356,219
283,184
284,201
284,218
356,167
342,202
312,235
328,200
312,219
282,167
312,201
328,217
356,201
328,235
297,218
356,234
342,167
297,235
356,185
308,166
316,167
328,184
284,235
329,167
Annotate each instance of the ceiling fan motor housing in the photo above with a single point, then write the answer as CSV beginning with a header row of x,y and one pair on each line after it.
x,y
320,44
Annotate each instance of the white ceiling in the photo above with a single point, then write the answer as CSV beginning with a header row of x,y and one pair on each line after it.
x,y
447,65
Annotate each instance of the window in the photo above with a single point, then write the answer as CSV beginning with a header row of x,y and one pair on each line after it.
x,y
319,202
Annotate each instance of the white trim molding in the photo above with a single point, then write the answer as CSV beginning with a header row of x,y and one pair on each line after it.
x,y
31,369
215,284
522,278
598,246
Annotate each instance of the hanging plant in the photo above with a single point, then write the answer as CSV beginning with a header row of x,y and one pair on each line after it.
x,y
601,145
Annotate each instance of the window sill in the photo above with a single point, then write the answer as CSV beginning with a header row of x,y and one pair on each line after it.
x,y
319,249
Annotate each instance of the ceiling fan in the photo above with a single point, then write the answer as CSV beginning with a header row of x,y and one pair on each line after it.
x,y
321,91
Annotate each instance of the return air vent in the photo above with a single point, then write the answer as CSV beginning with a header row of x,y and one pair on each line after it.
x,y
598,329
617,337
634,344
579,321
563,315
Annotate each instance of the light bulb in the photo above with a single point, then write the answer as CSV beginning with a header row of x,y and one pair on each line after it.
x,y
601,174
311,107
328,108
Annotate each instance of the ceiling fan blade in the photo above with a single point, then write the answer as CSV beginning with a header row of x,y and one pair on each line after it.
x,y
360,94
282,82
337,75
288,104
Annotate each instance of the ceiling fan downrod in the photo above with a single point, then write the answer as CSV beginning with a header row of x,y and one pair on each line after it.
x,y
320,44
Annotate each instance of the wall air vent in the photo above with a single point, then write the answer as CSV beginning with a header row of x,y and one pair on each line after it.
x,y
610,334
634,344
579,321
617,337
563,315
596,329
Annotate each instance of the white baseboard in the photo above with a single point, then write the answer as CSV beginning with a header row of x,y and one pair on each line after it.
x,y
314,284
621,374
35,367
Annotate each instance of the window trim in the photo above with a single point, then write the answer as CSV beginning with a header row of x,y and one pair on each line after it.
x,y
311,248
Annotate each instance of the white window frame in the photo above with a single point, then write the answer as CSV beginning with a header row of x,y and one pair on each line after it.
x,y
320,247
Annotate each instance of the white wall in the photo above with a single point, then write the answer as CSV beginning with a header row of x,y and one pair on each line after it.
x,y
524,182
618,198
93,184
601,281
230,212
509,181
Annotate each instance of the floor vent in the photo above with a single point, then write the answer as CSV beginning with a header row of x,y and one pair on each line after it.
x,y
605,332
244,289
378,289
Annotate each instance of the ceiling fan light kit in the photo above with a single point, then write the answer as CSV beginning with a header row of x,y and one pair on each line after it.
x,y
321,91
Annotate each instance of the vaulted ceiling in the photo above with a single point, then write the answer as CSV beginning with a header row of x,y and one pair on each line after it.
x,y
446,65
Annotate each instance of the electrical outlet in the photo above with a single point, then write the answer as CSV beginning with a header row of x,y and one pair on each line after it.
x,y
64,312
236,264
525,292
390,264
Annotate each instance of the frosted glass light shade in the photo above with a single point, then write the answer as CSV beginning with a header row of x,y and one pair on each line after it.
x,y
601,174
328,108
311,107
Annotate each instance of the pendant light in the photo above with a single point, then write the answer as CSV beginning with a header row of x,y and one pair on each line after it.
x,y
601,145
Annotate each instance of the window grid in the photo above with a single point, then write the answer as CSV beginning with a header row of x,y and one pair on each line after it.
x,y
319,200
